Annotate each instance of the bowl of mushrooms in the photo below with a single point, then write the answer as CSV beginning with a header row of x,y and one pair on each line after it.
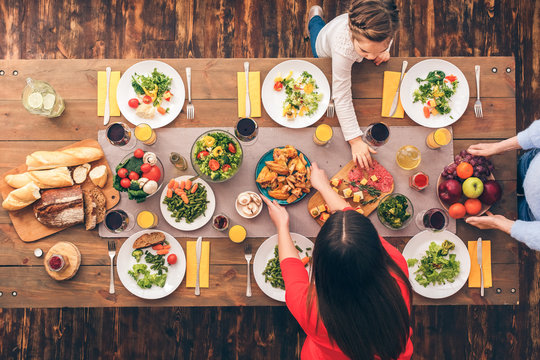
x,y
248,204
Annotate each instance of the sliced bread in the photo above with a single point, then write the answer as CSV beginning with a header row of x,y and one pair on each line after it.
x,y
101,204
149,239
89,211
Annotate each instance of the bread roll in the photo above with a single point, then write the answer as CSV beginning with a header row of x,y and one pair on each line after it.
x,y
98,175
40,160
20,198
45,179
60,207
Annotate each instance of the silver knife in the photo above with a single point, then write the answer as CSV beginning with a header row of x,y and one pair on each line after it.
x,y
479,259
198,250
248,102
393,108
107,113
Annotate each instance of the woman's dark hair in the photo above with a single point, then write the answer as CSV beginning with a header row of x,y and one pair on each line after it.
x,y
375,20
359,301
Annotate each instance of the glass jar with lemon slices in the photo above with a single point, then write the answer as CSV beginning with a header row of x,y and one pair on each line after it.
x,y
39,98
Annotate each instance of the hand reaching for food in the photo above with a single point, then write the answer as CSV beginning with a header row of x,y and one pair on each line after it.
x,y
278,214
491,221
361,153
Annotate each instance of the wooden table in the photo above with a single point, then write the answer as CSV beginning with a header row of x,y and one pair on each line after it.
x,y
214,97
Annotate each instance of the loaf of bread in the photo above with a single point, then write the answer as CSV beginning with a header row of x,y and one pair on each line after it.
x,y
149,239
22,197
45,179
95,207
41,160
60,207
98,175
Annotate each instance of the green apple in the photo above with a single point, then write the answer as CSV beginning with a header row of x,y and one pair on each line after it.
x,y
473,187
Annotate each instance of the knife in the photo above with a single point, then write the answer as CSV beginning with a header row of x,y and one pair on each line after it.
x,y
479,259
107,113
198,250
393,108
248,101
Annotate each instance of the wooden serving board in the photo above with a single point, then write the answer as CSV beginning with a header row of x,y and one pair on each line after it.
x,y
317,198
24,221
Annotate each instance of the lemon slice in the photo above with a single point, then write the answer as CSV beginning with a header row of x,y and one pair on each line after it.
x,y
48,101
35,100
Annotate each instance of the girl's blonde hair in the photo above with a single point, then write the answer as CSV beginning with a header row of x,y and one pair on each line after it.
x,y
375,20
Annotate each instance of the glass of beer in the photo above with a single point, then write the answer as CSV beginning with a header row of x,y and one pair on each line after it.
x,y
145,134
377,134
438,138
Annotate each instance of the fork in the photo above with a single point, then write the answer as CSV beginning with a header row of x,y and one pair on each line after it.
x,y
112,253
330,109
248,254
478,105
190,109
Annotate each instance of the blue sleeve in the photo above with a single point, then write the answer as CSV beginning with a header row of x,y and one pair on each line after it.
x,y
527,232
530,137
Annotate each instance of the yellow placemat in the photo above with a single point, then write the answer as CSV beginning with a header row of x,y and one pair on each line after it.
x,y
254,93
474,277
102,92
390,85
191,264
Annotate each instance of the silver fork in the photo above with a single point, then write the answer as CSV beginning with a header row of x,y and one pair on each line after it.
x,y
248,254
478,105
190,109
112,253
331,108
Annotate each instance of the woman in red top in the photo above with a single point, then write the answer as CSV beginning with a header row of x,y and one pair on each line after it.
x,y
357,304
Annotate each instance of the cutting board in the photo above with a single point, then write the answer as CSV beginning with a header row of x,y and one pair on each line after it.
x,y
317,198
24,221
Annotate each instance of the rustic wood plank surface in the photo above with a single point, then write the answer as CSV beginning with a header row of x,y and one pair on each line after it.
x,y
254,28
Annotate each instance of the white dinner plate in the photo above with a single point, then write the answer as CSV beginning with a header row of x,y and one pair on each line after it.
x,y
198,222
273,100
125,92
416,248
125,262
265,252
458,102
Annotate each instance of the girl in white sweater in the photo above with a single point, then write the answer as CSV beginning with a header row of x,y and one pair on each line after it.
x,y
366,31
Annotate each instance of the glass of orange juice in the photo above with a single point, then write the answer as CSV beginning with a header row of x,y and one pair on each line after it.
x,y
145,134
323,134
438,138
237,233
147,219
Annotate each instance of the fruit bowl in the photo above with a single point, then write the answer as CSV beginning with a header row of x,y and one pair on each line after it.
x,y
381,210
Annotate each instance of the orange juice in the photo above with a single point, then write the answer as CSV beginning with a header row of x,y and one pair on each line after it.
x,y
438,138
323,134
145,134
147,219
237,233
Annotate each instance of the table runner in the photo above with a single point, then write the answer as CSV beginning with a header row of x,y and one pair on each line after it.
x,y
330,157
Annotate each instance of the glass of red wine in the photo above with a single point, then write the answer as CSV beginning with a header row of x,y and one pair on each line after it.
x,y
117,221
119,134
433,219
246,130
377,134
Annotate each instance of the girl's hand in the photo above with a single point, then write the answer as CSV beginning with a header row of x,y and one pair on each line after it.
x,y
490,221
319,180
361,153
278,214
484,149
383,57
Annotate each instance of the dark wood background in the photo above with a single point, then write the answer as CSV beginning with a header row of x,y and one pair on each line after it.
x,y
262,28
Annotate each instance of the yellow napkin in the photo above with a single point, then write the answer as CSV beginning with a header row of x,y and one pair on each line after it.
x,y
191,264
102,92
474,277
390,85
254,93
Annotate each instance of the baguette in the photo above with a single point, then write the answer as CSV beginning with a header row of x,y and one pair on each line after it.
x,y
60,207
45,179
98,175
80,173
41,160
22,197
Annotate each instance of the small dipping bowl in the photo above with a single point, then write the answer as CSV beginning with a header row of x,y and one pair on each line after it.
x,y
238,205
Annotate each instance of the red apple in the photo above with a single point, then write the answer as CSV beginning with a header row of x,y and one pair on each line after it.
x,y
492,192
450,191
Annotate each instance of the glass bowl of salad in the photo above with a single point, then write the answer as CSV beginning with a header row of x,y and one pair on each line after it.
x,y
395,211
216,156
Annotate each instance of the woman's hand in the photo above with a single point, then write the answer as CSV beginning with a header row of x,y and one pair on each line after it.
x,y
278,214
490,221
484,149
383,57
361,152
318,178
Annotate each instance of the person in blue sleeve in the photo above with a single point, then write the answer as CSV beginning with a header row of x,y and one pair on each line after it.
x,y
527,228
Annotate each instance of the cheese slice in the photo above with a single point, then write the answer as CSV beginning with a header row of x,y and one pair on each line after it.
x,y
347,193
358,196
363,181
374,178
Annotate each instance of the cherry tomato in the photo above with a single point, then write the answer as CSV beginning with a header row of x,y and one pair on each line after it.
x,y
171,259
153,174
232,148
202,154
147,99
122,172
213,165
278,86
133,103
167,95
139,153
125,183
226,167
451,78
146,168
133,175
